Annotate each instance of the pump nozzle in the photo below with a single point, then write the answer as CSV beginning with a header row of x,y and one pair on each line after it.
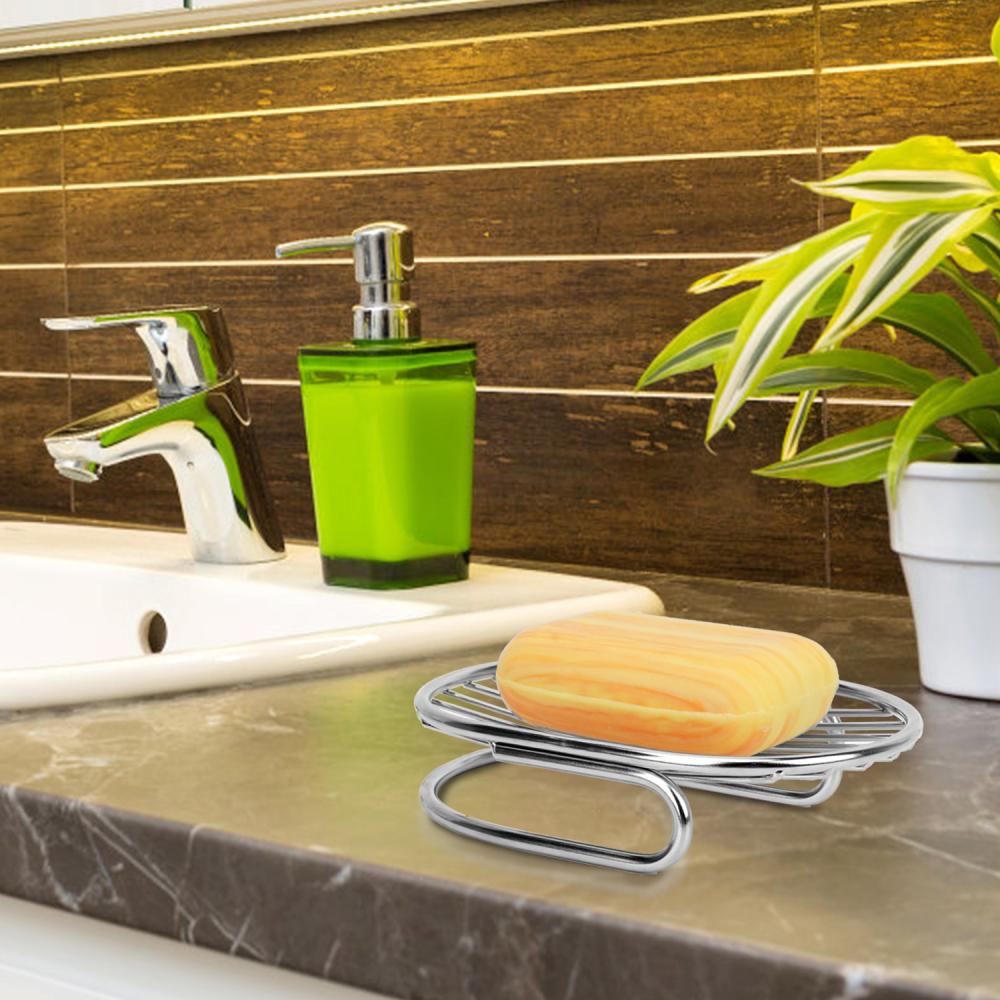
x,y
383,266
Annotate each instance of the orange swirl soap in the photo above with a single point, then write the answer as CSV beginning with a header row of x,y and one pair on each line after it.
x,y
667,683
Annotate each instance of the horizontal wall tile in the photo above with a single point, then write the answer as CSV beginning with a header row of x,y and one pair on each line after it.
x,y
580,325
24,344
885,106
31,228
933,29
860,556
570,479
404,31
30,159
29,106
620,481
630,483
746,114
664,207
29,408
674,50
28,71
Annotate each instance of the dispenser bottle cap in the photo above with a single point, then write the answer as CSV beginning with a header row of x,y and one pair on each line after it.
x,y
383,266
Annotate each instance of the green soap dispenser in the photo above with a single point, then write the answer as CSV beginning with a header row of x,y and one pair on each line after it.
x,y
389,426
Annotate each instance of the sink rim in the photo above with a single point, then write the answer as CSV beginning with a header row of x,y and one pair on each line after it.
x,y
339,650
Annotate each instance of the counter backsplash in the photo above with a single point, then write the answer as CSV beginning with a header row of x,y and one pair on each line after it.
x,y
568,168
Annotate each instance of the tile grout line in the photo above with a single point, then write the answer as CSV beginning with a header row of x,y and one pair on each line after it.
x,y
65,271
820,226
420,101
607,27
794,151
432,168
127,265
498,95
507,390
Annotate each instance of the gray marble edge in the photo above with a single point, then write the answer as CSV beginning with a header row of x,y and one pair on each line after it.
x,y
380,928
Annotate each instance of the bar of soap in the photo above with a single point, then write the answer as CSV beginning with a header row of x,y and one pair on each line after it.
x,y
666,683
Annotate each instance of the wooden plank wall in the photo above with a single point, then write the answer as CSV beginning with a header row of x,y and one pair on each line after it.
x,y
568,167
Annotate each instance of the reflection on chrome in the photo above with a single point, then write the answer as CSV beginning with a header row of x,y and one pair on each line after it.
x,y
197,418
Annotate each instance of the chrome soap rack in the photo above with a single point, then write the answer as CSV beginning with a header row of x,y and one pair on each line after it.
x,y
864,726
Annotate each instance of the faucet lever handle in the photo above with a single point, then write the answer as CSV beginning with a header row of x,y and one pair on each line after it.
x,y
188,346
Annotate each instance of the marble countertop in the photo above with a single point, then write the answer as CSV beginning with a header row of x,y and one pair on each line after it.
x,y
282,823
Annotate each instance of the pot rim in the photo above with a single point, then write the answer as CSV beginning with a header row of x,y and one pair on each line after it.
x,y
974,471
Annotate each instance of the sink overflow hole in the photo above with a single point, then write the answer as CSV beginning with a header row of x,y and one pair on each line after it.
x,y
153,632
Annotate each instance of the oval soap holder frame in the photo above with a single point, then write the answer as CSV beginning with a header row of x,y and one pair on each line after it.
x,y
864,726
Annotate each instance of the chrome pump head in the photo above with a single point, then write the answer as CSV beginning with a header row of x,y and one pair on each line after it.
x,y
383,266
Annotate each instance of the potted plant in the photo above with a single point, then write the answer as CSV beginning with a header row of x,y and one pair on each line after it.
x,y
921,207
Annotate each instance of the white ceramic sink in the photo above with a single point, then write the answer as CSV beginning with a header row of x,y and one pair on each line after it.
x,y
82,607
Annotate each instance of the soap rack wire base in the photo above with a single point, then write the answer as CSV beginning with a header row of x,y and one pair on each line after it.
x,y
864,726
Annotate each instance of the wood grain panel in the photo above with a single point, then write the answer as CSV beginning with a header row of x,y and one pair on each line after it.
x,y
22,107
669,207
578,480
860,556
29,408
676,50
619,482
748,114
887,106
26,70
934,29
405,31
31,228
571,325
24,344
29,159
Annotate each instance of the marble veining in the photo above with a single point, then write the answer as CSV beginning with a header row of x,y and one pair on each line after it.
x,y
281,823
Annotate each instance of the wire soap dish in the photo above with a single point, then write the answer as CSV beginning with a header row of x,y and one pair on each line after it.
x,y
864,726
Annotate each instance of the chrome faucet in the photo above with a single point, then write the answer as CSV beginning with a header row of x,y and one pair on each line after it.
x,y
197,418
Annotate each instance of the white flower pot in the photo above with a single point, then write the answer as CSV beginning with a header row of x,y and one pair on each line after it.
x,y
946,528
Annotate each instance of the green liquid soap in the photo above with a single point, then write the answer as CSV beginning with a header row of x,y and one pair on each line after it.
x,y
390,438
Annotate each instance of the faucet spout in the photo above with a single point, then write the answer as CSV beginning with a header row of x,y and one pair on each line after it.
x,y
78,469
205,436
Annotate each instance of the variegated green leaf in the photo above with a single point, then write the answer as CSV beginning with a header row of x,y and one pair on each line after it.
x,y
986,304
701,344
782,305
966,259
902,250
706,342
984,244
797,423
950,397
758,269
911,190
839,368
922,174
859,456
939,320
985,251
763,268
